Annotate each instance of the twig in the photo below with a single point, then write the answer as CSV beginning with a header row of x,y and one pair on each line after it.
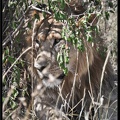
x,y
16,61
109,101
33,37
73,86
83,104
88,67
6,40
103,71
10,114
8,96
35,8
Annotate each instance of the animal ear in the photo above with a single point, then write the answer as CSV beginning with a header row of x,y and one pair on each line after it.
x,y
92,19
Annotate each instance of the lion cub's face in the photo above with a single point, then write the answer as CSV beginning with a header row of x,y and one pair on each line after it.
x,y
47,44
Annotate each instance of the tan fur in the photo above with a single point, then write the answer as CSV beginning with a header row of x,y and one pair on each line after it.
x,y
49,29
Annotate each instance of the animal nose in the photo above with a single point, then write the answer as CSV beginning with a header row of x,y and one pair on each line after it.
x,y
40,66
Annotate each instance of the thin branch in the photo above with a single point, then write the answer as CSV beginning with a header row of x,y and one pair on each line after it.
x,y
40,10
7,99
16,61
103,71
33,37
74,81
6,40
89,77
83,104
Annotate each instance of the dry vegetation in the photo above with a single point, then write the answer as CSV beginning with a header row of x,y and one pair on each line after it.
x,y
17,83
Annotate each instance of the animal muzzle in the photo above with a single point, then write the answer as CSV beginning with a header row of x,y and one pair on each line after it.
x,y
50,73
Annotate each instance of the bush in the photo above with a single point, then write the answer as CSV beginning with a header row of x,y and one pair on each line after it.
x,y
16,83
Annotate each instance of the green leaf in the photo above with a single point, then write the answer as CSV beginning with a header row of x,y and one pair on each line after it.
x,y
91,10
58,56
57,15
3,81
107,15
18,72
62,4
61,58
97,2
69,39
7,51
22,63
62,16
29,25
21,4
3,99
13,104
11,59
44,14
37,16
95,28
14,26
4,59
65,71
66,60
89,38
15,93
112,11
110,4
80,47
62,66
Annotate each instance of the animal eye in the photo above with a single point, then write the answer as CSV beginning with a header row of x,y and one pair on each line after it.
x,y
37,44
56,41
37,41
